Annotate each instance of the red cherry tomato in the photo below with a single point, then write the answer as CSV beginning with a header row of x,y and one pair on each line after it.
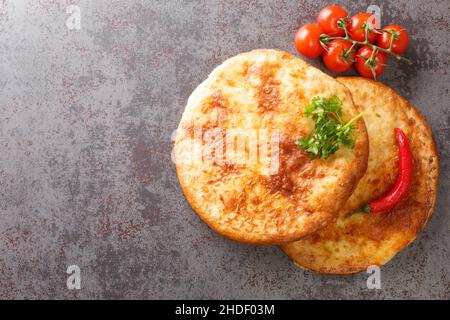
x,y
400,42
328,18
355,27
335,57
363,68
307,40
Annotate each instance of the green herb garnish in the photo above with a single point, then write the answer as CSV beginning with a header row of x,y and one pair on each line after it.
x,y
330,131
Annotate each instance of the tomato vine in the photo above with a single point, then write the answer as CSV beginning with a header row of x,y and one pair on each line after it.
x,y
370,62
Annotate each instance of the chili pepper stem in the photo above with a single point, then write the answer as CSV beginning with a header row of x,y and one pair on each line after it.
x,y
364,209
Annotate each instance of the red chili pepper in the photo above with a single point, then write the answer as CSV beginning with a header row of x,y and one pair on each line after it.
x,y
404,178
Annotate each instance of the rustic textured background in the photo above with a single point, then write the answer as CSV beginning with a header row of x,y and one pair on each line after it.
x,y
85,133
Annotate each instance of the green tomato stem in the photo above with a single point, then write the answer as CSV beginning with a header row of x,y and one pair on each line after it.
x,y
324,38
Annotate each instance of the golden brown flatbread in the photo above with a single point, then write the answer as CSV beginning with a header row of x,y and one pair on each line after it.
x,y
351,244
263,93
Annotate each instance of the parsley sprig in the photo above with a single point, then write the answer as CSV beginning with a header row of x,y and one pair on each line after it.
x,y
331,131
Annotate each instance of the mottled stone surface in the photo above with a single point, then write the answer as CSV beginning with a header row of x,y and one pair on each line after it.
x,y
85,133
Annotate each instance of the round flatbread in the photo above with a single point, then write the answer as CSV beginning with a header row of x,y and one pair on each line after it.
x,y
277,193
355,242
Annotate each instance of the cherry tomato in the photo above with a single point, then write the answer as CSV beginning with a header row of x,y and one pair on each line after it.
x,y
307,40
399,44
355,27
335,57
363,69
328,18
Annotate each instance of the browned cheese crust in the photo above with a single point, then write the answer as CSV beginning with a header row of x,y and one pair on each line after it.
x,y
265,89
355,242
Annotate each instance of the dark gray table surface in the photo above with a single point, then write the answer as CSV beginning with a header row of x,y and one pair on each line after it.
x,y
86,176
